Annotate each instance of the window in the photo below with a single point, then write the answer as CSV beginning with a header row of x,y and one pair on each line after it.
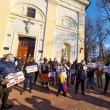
x,y
31,12
66,23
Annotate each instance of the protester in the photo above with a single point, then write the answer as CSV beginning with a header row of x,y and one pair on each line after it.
x,y
40,62
90,78
62,82
107,78
36,73
51,72
20,64
58,71
53,67
73,73
80,78
44,74
99,73
7,67
29,76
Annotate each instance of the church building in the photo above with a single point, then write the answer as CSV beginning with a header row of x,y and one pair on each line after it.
x,y
43,28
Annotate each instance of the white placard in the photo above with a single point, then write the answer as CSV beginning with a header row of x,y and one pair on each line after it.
x,y
106,69
91,65
30,69
52,74
15,78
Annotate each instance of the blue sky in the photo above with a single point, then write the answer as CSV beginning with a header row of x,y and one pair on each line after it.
x,y
92,11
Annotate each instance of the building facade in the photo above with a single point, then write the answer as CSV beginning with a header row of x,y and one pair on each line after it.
x,y
43,28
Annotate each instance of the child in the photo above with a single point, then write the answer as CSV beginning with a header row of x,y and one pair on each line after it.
x,y
62,83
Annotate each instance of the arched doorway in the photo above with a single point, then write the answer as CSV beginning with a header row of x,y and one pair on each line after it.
x,y
65,51
26,48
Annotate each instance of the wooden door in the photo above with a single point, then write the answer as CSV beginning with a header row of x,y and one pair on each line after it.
x,y
23,53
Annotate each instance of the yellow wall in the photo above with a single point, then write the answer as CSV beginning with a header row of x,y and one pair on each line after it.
x,y
81,36
49,40
48,48
4,12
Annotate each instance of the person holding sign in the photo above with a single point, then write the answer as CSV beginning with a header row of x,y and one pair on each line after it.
x,y
7,67
30,68
107,76
80,78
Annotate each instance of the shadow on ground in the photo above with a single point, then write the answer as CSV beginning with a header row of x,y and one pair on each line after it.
x,y
37,104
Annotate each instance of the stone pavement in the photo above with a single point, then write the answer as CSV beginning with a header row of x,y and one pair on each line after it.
x,y
40,99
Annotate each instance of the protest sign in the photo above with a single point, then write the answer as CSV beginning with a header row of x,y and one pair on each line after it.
x,y
30,69
14,78
91,65
106,69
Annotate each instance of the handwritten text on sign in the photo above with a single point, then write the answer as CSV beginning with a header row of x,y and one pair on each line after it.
x,y
30,69
15,78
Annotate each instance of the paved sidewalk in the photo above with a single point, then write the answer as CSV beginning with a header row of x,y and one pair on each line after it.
x,y
40,99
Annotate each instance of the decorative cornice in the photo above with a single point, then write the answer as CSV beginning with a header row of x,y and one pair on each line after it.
x,y
84,2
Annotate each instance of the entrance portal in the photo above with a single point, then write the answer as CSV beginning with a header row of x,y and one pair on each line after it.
x,y
65,51
26,48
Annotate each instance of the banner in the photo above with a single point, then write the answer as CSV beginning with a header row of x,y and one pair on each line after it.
x,y
30,69
14,78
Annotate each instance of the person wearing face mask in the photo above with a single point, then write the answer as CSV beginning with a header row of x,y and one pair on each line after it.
x,y
7,67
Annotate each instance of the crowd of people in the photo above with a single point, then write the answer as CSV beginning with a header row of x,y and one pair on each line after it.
x,y
51,72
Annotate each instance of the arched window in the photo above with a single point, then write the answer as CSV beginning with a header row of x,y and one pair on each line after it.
x,y
66,22
25,9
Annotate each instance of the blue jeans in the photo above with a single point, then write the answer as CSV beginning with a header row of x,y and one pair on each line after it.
x,y
90,82
29,81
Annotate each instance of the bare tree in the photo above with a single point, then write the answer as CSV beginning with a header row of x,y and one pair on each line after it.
x,y
100,35
107,52
90,39
104,6
104,9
